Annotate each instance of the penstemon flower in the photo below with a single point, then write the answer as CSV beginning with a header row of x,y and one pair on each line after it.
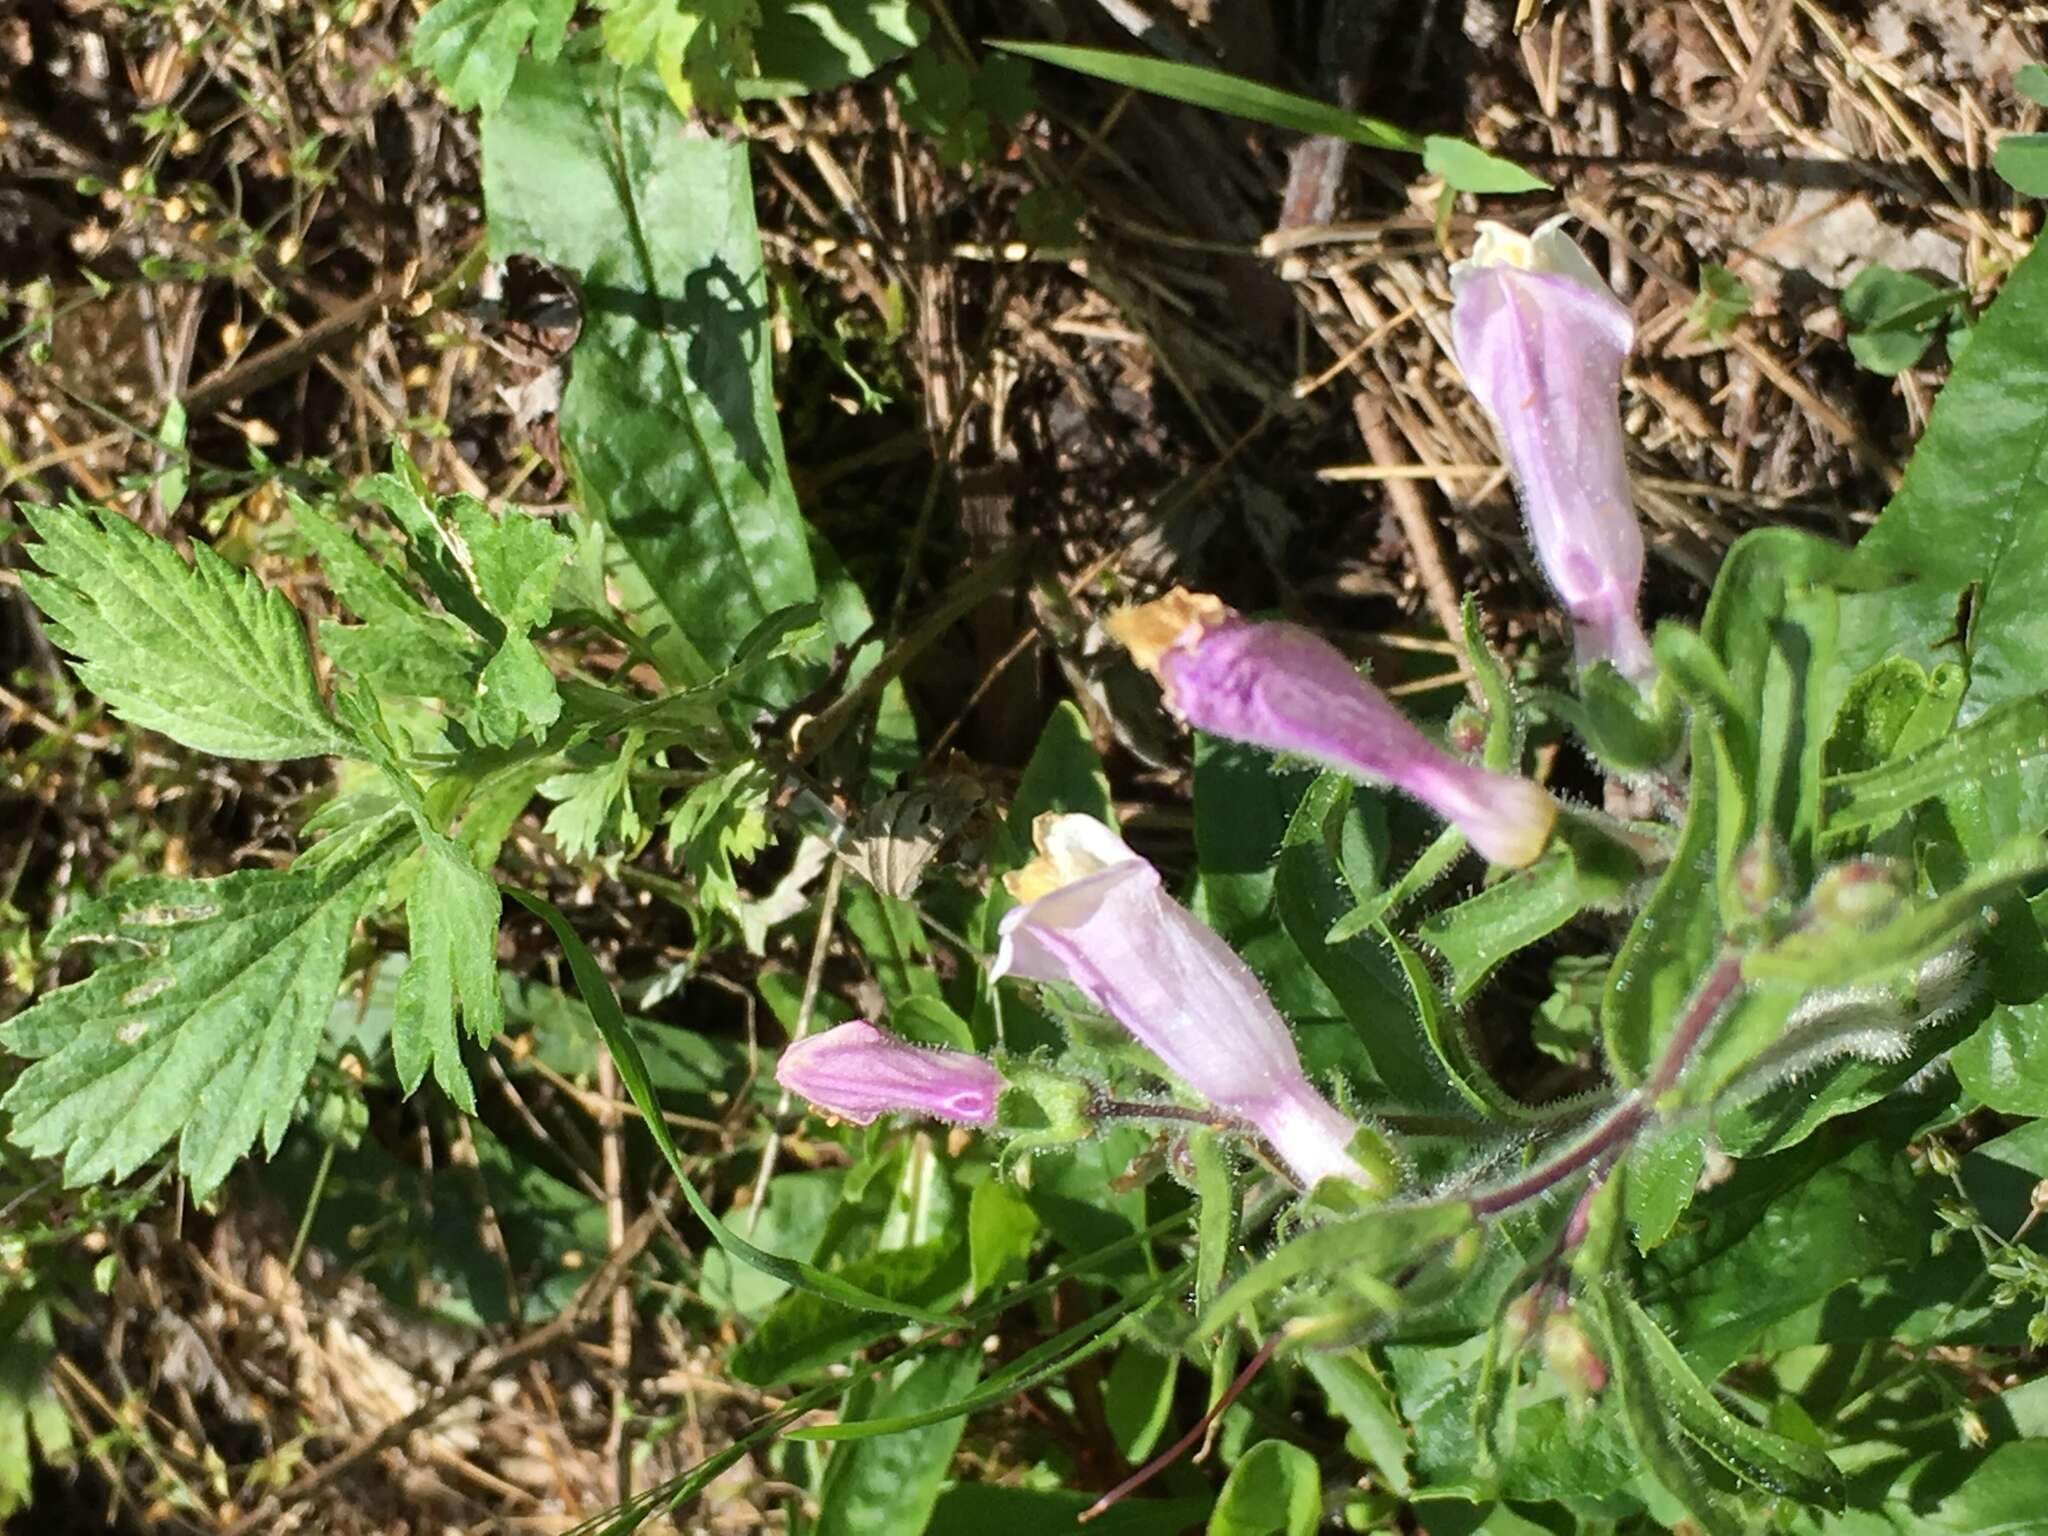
x,y
1284,688
1097,916
1541,341
857,1072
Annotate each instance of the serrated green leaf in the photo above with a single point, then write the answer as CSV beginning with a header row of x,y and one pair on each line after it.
x,y
514,560
452,920
33,1427
203,1018
473,46
515,695
587,799
1275,1489
669,416
203,653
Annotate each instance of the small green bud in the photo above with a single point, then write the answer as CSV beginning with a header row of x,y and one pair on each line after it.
x,y
1466,734
1569,1353
1859,894
1759,877
1942,1159
2037,1329
1975,1432
1521,1318
1047,1107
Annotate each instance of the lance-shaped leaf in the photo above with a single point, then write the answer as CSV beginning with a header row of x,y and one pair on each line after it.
x,y
669,414
203,1020
203,653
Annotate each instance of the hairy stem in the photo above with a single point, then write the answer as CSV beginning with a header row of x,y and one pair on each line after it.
x,y
1620,1128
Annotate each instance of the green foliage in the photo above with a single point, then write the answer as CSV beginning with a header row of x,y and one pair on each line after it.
x,y
1465,167
1673,1235
893,1483
201,652
1274,1490
1894,317
669,413
33,1427
473,46
1722,304
707,54
203,1018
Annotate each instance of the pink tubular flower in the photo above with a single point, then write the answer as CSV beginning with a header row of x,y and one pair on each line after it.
x,y
857,1072
1096,915
1541,341
1281,687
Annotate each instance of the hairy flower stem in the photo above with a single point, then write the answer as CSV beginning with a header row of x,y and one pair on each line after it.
x,y
1637,1109
1126,1109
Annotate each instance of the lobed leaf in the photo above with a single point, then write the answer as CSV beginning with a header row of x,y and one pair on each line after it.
x,y
473,46
203,652
204,1019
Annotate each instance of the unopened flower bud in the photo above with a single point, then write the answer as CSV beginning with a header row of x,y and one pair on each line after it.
x,y
1975,1432
1859,894
858,1072
1096,916
1568,1352
1541,341
1954,1214
1466,732
1518,1325
1284,688
1941,1158
1760,875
